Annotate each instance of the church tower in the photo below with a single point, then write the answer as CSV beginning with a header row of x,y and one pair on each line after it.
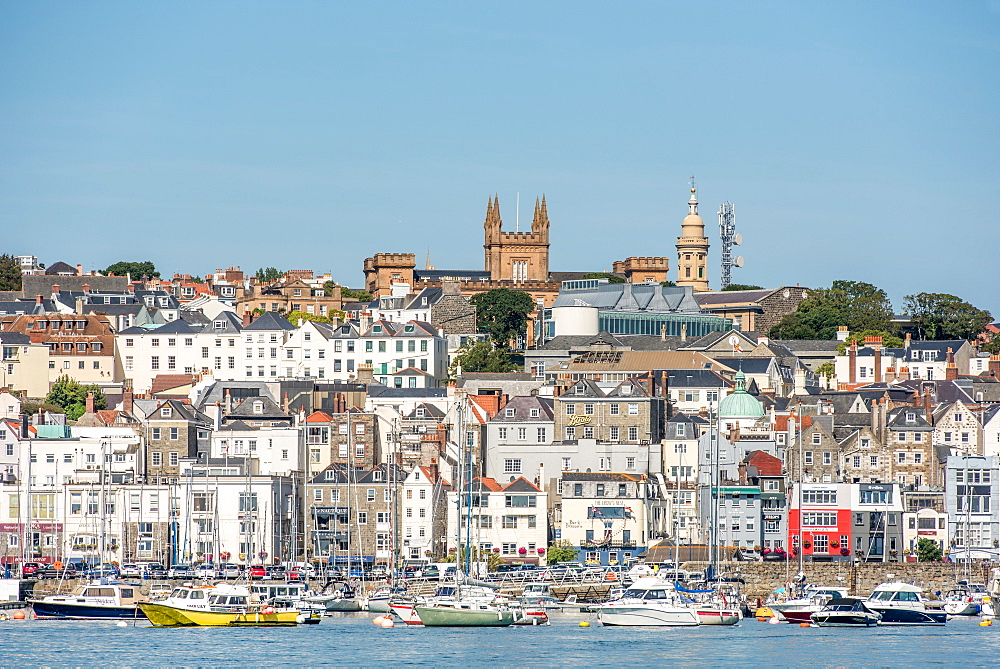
x,y
517,256
692,248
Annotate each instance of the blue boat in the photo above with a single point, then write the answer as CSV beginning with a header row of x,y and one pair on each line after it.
x,y
93,601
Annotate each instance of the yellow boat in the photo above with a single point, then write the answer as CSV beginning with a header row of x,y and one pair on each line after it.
x,y
222,605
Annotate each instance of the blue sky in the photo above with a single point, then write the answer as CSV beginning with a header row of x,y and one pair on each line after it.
x,y
857,140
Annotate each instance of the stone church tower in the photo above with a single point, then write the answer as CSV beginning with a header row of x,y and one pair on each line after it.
x,y
692,249
517,256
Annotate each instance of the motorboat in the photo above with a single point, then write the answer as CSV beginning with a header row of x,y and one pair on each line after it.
x,y
343,599
715,606
467,613
222,605
377,600
99,600
289,595
845,612
447,596
813,598
539,596
960,601
903,604
649,601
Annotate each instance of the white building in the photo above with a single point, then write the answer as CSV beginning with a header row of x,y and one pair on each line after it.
x,y
509,520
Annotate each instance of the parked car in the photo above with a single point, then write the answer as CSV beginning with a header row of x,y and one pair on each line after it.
x,y
50,571
229,570
256,571
28,569
206,570
180,571
154,570
276,572
130,569
103,571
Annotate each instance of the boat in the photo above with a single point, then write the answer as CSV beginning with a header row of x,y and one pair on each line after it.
x,y
813,598
378,598
965,599
289,595
714,606
467,614
902,604
222,605
444,596
845,612
92,601
648,602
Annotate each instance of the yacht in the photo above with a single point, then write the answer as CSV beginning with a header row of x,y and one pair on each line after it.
x,y
813,598
222,605
845,612
444,596
902,604
648,602
92,601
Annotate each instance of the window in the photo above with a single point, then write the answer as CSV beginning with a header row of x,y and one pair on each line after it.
x,y
816,438
613,409
173,458
807,457
827,458
874,460
174,433
633,409
613,433
588,409
371,494
570,433
570,409
511,466
819,519
819,496
633,433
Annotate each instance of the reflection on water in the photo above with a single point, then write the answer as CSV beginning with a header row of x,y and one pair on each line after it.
x,y
354,641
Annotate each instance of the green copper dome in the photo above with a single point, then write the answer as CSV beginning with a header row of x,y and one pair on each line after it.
x,y
740,403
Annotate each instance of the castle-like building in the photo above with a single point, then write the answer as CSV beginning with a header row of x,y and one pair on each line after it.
x,y
517,256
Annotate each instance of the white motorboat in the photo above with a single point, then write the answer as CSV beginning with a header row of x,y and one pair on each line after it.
x,y
845,612
99,600
903,604
648,602
813,598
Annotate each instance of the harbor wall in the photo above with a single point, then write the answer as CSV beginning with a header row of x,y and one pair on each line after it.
x,y
763,578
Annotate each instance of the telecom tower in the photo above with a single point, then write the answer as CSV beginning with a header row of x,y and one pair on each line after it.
x,y
729,236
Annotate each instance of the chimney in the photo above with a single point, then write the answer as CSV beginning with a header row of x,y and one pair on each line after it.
x,y
39,299
906,342
541,476
218,416
875,416
878,359
927,406
556,390
247,318
995,365
79,269
90,403
127,400
763,339
843,333
890,374
904,374
663,383
55,289
229,402
951,370
284,403
503,401
852,354
800,381
434,470
651,384
86,289
130,288
684,331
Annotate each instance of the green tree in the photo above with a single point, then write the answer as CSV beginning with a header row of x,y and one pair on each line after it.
x,y
10,273
268,275
482,356
503,314
71,395
942,316
827,369
136,270
741,286
928,550
888,340
993,345
492,559
560,551
347,293
612,278
668,284
858,305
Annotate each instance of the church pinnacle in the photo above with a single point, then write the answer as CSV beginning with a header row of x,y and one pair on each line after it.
x,y
692,248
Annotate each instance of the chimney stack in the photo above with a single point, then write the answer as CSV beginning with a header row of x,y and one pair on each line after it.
x,y
39,299
90,403
995,365
128,400
907,341
927,406
247,318
852,355
951,369
843,333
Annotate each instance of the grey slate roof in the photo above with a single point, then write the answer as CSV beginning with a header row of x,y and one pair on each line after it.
x,y
269,320
522,406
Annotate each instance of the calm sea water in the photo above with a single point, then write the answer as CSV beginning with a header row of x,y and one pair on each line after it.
x,y
355,642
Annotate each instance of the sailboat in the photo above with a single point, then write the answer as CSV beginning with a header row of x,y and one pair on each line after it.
x,y
460,609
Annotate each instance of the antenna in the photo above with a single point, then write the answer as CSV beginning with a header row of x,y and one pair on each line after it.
x,y
729,237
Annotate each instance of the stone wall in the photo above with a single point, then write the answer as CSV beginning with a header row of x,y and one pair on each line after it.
x,y
763,578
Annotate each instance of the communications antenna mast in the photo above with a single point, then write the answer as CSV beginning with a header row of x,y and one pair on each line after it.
x,y
729,236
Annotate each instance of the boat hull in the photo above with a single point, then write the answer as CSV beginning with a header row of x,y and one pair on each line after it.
x,y
68,611
709,616
443,616
380,605
647,616
842,619
961,608
343,605
169,616
910,616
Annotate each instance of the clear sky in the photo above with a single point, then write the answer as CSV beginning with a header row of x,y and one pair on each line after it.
x,y
858,140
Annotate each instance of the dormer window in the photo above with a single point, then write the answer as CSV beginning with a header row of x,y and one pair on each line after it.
x,y
580,389
534,413
930,356
681,429
915,355
910,416
420,412
509,413
378,475
258,407
220,325
166,412
377,328
408,327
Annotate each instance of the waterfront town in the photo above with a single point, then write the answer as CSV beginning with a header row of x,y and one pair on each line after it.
x,y
279,418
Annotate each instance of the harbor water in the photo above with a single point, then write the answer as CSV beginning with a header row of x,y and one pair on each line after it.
x,y
352,641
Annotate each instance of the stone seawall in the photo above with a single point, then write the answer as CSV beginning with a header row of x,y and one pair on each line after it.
x,y
763,578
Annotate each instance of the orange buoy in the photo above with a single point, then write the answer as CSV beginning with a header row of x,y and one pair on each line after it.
x,y
612,575
18,615
761,619
805,624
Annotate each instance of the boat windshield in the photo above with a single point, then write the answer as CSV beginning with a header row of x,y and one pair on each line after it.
x,y
197,594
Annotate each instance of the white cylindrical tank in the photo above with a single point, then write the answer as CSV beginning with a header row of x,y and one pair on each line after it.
x,y
575,320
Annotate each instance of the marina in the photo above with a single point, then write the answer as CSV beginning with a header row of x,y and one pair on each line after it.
x,y
350,639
